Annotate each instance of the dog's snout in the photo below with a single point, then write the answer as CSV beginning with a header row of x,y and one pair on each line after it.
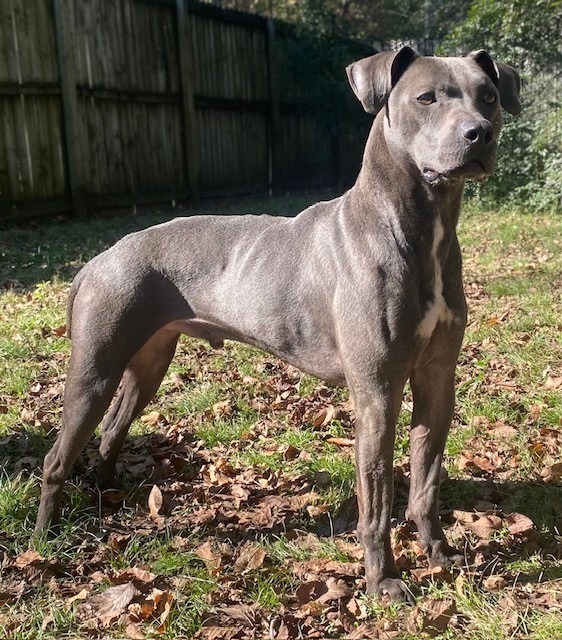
x,y
477,131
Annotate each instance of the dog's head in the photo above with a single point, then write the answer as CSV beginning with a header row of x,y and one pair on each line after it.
x,y
443,114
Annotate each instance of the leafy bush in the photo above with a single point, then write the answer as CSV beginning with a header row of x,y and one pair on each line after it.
x,y
526,34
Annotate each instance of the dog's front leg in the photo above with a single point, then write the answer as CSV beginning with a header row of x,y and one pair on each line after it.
x,y
376,414
433,394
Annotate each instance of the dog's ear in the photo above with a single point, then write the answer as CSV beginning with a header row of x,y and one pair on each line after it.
x,y
504,77
372,78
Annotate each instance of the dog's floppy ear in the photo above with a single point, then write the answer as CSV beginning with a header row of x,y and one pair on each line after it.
x,y
504,77
372,78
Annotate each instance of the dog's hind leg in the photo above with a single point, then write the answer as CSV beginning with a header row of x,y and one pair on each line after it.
x,y
140,381
90,385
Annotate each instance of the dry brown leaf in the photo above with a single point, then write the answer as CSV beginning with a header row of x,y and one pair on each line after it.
x,y
134,631
35,566
60,331
465,517
135,574
553,382
222,408
341,442
218,633
29,557
139,611
432,616
324,417
323,591
153,419
337,589
250,557
163,601
485,526
502,430
552,473
211,558
291,453
290,627
495,583
243,613
155,503
219,473
311,590
81,595
113,602
431,573
27,415
519,525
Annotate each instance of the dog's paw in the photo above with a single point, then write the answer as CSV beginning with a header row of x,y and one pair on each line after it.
x,y
392,590
441,554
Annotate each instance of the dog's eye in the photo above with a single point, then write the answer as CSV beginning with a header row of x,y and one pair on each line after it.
x,y
426,98
489,97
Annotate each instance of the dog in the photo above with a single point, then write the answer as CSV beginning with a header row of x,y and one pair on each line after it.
x,y
364,291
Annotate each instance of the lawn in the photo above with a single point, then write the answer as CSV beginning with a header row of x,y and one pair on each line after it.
x,y
237,514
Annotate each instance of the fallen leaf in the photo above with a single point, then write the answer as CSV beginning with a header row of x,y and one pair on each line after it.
x,y
431,573
153,419
495,583
211,558
113,602
250,557
519,525
341,442
324,417
322,591
553,382
291,453
81,595
431,616
485,526
552,473
141,577
35,566
60,331
134,631
222,408
27,415
242,613
155,503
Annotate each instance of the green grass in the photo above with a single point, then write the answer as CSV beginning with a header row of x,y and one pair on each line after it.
x,y
269,451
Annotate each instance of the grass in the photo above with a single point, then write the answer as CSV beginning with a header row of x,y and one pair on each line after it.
x,y
243,434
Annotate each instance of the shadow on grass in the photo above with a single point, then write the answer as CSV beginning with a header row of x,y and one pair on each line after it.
x,y
155,458
38,251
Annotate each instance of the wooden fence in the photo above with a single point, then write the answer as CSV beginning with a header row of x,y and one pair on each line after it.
x,y
112,102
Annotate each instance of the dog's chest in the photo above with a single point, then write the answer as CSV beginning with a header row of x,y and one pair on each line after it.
x,y
436,309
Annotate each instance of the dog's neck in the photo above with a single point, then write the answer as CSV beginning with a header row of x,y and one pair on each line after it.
x,y
420,204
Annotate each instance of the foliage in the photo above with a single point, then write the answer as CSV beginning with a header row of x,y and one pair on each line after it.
x,y
361,19
528,35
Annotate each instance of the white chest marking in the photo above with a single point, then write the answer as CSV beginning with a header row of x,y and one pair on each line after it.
x,y
438,311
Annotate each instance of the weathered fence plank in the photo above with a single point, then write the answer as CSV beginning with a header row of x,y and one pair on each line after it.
x,y
186,58
65,47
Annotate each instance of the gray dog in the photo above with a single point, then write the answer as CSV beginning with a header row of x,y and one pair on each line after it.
x,y
363,291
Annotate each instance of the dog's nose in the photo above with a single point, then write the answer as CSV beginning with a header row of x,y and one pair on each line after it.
x,y
477,131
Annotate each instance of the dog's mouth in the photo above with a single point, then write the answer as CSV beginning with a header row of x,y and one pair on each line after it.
x,y
473,170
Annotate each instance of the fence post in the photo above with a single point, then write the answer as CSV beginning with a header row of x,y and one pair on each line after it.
x,y
74,157
188,104
273,88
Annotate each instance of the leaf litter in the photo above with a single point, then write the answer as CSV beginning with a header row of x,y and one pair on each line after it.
x,y
228,515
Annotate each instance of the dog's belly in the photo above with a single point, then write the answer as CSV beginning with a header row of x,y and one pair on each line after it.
x,y
320,360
